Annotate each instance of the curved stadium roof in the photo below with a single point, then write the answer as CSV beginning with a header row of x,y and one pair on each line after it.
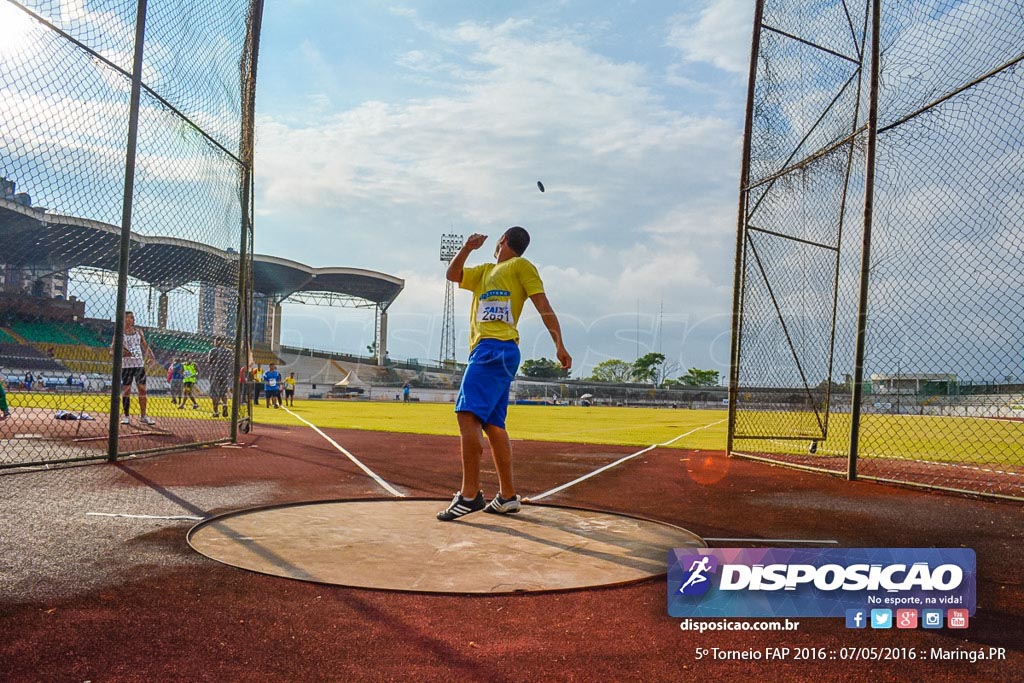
x,y
31,237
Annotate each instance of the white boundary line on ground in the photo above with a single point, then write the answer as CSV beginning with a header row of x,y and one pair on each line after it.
x,y
116,514
896,458
386,486
773,540
617,462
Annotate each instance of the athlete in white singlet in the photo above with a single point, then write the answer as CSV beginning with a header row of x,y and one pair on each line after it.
x,y
133,369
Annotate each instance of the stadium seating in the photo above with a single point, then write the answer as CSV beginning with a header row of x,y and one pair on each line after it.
x,y
84,335
402,376
312,370
82,358
25,357
178,342
42,332
262,354
373,375
439,380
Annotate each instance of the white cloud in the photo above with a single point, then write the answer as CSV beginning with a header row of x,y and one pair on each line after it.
x,y
719,34
639,203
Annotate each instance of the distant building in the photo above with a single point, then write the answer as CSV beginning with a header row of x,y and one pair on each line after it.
x,y
39,280
218,307
34,281
908,383
262,319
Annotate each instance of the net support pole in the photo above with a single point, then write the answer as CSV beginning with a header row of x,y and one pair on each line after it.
x,y
748,125
242,312
239,352
126,228
865,258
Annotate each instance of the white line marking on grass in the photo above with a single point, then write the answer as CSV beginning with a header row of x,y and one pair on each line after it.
x,y
115,514
617,462
386,486
672,441
897,458
774,540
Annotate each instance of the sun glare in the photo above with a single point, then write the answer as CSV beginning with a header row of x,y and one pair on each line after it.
x,y
15,27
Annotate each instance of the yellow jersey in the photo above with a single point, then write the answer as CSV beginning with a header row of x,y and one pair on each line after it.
x,y
499,292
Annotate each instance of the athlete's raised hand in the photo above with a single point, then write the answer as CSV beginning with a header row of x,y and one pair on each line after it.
x,y
475,241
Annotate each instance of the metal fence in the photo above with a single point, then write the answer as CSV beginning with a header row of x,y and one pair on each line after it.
x,y
878,324
125,164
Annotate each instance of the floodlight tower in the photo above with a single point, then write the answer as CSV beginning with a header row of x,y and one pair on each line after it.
x,y
450,245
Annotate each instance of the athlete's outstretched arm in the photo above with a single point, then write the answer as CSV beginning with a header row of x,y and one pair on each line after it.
x,y
475,241
146,351
547,314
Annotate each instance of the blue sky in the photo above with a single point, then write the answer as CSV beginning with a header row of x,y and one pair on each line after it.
x,y
382,125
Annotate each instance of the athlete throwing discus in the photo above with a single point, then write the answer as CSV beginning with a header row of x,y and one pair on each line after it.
x,y
499,292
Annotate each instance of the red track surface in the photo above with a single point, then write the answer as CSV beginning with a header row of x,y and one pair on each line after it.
x,y
199,620
87,438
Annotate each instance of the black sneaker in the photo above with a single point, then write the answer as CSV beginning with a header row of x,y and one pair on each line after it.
x,y
462,506
504,506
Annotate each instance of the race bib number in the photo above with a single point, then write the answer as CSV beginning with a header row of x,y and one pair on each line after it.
x,y
271,382
495,306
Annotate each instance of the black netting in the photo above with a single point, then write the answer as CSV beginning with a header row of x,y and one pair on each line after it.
x,y
65,96
943,391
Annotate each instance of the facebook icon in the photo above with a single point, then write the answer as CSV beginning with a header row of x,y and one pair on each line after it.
x,y
856,618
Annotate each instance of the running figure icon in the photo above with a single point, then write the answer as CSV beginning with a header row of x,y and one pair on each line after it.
x,y
697,571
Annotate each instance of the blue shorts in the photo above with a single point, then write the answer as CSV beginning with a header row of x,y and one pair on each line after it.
x,y
485,384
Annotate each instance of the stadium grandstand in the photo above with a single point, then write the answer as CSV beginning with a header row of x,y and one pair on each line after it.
x,y
45,330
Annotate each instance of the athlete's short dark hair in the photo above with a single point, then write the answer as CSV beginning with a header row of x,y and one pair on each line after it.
x,y
517,239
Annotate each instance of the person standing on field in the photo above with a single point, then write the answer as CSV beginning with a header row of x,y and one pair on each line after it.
x,y
272,386
190,374
289,390
499,292
176,378
5,411
133,369
220,360
257,384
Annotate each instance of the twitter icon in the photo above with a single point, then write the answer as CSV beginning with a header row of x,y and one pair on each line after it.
x,y
881,618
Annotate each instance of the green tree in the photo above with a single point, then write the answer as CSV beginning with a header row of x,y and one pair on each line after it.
x,y
695,377
645,368
544,369
613,370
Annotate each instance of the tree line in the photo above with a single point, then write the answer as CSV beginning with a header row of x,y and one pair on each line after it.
x,y
651,368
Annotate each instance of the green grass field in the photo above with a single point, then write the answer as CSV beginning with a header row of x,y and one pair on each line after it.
x,y
913,437
99,404
926,438
618,426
